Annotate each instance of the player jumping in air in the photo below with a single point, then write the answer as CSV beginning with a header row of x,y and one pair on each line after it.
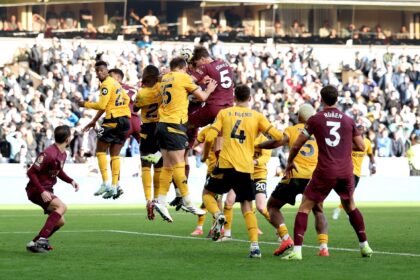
x,y
148,100
115,102
42,178
335,135
171,133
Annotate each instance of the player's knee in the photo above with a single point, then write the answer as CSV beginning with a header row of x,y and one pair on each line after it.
x,y
61,222
261,208
145,164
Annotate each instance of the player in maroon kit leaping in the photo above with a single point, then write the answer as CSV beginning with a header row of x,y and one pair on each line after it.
x,y
335,135
42,177
205,69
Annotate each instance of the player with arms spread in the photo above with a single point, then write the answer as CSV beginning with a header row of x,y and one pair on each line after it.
x,y
114,101
171,133
288,188
42,178
238,126
335,135
148,100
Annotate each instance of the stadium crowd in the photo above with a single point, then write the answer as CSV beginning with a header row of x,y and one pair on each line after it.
x,y
40,91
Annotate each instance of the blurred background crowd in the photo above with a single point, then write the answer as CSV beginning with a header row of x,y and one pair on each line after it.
x,y
40,90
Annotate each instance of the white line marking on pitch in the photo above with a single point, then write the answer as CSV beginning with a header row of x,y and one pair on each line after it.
x,y
261,242
205,239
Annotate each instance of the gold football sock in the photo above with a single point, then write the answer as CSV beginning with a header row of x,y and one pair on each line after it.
x,y
180,179
251,225
146,179
210,203
201,220
283,231
323,239
228,212
156,175
103,165
115,169
165,180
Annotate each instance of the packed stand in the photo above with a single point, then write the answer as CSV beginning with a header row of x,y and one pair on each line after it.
x,y
381,92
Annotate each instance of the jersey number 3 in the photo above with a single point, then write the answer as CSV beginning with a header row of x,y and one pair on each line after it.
x,y
333,132
241,136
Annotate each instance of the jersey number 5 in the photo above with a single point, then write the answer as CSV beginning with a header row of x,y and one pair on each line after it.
x,y
241,136
333,132
225,80
167,97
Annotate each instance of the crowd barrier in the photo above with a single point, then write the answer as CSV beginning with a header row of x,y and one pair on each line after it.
x,y
391,183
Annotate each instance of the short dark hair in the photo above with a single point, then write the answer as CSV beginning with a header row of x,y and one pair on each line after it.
x,y
117,71
101,63
177,62
199,53
329,95
242,93
61,133
150,75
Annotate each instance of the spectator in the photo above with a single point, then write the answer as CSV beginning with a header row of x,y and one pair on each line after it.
x,y
150,23
13,24
324,31
279,30
53,20
295,30
38,23
85,16
67,19
379,33
403,34
384,144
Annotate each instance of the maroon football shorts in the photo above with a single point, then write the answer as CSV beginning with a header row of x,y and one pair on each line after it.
x,y
134,130
200,118
319,188
35,197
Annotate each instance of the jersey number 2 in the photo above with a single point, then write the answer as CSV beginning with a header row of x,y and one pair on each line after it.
x,y
241,136
333,132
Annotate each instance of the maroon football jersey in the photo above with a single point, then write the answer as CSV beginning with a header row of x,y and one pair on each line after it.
x,y
47,166
131,92
220,71
334,132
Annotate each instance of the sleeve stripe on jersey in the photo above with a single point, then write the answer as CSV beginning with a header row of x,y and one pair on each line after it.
x,y
218,131
306,133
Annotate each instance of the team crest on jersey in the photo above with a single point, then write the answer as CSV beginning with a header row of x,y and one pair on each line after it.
x,y
39,160
104,91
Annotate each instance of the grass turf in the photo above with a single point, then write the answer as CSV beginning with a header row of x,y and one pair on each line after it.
x,y
89,247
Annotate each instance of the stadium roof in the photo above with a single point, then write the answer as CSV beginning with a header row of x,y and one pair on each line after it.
x,y
394,3
383,3
48,2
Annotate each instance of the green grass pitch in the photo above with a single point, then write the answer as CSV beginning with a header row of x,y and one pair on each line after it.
x,y
120,243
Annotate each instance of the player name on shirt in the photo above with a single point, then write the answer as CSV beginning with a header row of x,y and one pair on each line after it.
x,y
220,66
240,114
334,115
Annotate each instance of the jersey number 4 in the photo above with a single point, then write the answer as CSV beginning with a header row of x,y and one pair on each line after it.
x,y
233,134
333,132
